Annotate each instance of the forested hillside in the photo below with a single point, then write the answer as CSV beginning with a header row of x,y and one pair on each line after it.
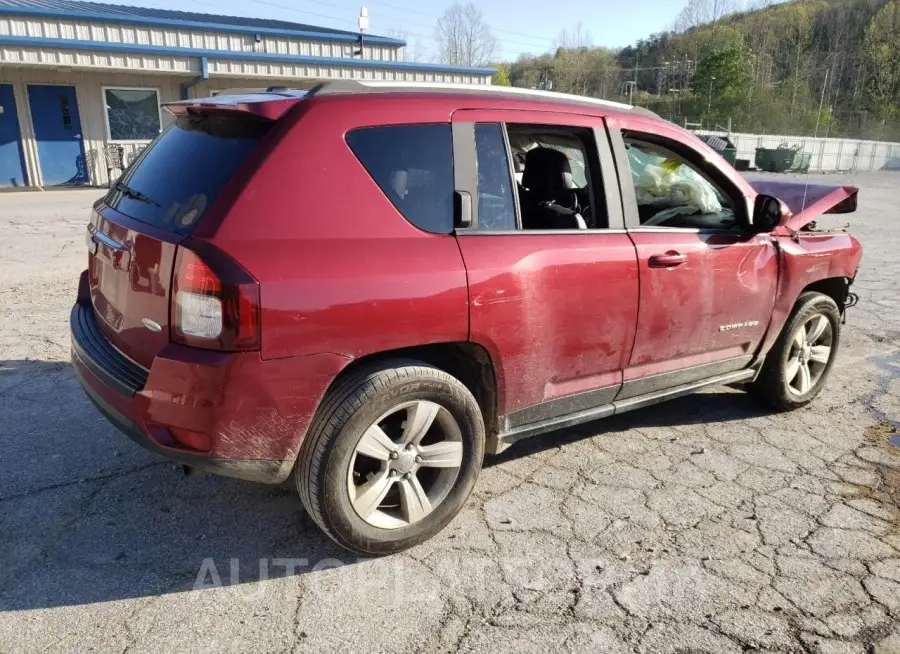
x,y
768,70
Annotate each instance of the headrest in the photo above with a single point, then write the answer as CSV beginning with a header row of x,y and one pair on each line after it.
x,y
547,174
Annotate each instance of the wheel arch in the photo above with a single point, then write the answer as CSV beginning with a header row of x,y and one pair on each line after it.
x,y
469,362
837,288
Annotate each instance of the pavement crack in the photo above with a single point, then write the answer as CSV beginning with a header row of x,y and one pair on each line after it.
x,y
86,480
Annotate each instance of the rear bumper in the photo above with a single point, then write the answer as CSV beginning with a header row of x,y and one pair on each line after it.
x,y
266,472
254,412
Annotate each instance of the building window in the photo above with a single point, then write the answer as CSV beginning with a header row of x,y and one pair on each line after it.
x,y
132,114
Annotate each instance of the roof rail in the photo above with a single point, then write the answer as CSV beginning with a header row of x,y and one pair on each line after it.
x,y
348,87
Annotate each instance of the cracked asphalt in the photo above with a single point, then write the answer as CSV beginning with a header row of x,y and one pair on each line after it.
x,y
703,525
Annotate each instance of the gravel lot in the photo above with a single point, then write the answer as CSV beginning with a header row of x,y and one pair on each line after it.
x,y
702,525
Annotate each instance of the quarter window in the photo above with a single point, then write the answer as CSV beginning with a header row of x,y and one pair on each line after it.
x,y
132,114
413,166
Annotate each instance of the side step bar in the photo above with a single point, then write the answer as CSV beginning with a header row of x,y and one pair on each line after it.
x,y
507,438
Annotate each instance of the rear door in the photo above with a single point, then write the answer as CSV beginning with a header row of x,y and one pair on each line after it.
x,y
708,280
555,308
157,203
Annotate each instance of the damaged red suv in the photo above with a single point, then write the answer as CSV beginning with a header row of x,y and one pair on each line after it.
x,y
368,287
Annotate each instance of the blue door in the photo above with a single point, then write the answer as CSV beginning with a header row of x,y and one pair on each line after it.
x,y
12,163
57,130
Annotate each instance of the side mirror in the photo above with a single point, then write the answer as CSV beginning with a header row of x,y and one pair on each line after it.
x,y
768,213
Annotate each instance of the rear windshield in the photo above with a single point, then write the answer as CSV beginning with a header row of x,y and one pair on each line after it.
x,y
178,177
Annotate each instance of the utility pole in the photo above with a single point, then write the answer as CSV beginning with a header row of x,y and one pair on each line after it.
x,y
674,93
637,58
709,98
821,101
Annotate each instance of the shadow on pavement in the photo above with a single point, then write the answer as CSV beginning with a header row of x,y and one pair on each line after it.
x,y
712,406
88,516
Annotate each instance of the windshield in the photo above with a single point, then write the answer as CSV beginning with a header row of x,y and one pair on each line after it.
x,y
176,180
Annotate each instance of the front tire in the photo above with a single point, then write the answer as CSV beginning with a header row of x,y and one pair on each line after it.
x,y
797,367
391,457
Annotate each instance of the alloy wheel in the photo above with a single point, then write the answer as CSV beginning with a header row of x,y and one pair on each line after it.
x,y
809,354
405,464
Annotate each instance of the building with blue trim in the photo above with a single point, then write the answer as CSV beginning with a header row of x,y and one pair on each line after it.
x,y
82,82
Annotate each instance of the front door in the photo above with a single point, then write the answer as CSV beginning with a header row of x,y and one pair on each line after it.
x,y
57,130
553,283
708,281
12,164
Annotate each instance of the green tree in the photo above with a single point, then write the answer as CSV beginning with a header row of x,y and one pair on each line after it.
x,y
763,68
723,78
882,53
501,77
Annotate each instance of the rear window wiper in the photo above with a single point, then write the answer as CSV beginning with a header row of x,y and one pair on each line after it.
x,y
134,194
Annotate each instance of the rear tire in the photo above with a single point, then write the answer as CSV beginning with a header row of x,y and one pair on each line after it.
x,y
797,366
391,456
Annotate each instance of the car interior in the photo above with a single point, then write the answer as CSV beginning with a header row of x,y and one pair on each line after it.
x,y
671,192
553,177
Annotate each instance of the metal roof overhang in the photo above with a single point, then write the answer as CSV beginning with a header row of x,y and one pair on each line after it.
x,y
142,49
211,26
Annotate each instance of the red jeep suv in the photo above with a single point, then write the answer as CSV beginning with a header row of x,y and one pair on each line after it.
x,y
369,286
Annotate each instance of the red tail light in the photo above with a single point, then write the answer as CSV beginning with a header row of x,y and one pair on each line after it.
x,y
214,303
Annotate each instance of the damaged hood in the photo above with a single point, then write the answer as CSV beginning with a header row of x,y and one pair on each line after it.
x,y
819,199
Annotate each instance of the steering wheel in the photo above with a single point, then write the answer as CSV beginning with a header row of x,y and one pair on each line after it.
x,y
588,216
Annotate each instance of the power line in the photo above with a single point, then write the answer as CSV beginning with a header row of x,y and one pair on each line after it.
x,y
512,44
435,16
347,21
502,41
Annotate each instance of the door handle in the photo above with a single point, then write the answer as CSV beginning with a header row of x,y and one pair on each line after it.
x,y
76,136
668,260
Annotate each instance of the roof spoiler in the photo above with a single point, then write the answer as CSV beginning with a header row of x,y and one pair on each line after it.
x,y
270,103
270,106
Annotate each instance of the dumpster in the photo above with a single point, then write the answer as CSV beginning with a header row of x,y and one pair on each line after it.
x,y
782,159
801,162
722,145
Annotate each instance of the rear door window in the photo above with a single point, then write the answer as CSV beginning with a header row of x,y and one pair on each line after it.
x,y
496,206
413,166
177,179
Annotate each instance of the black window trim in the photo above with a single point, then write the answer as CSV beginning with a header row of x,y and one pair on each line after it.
x,y
511,169
465,156
465,170
629,199
466,176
